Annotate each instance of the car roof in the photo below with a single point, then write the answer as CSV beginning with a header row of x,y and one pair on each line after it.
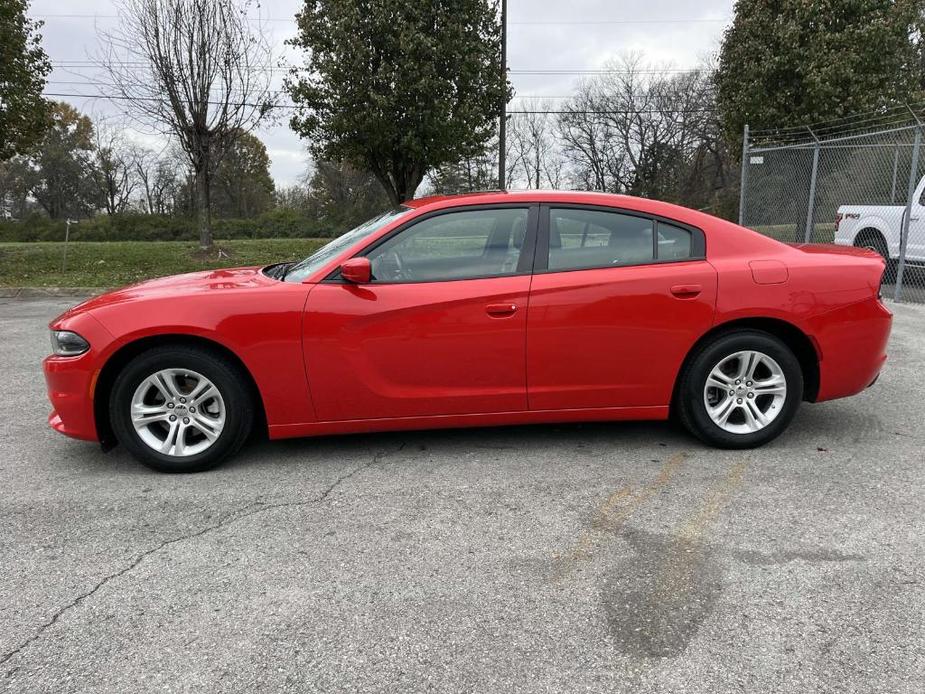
x,y
626,202
478,197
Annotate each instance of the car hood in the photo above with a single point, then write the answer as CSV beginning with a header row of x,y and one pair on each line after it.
x,y
177,285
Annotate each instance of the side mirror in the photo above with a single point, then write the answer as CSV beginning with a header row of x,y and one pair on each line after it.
x,y
357,271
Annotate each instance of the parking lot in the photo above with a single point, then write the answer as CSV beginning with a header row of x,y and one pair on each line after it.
x,y
558,558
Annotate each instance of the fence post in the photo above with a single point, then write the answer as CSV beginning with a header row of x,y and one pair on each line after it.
x,y
744,181
904,234
895,175
811,208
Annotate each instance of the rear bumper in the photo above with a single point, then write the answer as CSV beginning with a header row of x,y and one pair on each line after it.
x,y
852,343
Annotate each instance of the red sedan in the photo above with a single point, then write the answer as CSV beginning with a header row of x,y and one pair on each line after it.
x,y
477,310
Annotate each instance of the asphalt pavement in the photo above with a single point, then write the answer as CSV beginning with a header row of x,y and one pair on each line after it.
x,y
607,557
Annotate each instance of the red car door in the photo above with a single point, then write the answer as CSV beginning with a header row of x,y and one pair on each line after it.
x,y
617,301
440,329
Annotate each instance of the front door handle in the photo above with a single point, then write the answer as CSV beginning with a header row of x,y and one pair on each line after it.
x,y
501,310
686,291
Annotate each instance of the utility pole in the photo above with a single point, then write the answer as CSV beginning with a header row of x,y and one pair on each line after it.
x,y
502,128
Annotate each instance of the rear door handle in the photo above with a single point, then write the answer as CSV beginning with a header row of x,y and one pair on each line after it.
x,y
501,310
686,291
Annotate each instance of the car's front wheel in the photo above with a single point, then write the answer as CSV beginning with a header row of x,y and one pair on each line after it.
x,y
181,409
740,390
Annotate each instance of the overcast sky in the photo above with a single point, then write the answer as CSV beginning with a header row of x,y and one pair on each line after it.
x,y
564,35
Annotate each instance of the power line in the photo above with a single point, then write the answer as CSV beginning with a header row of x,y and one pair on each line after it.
x,y
622,21
604,71
115,97
529,22
68,64
625,112
535,97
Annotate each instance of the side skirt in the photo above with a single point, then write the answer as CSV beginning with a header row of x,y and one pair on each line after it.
x,y
460,421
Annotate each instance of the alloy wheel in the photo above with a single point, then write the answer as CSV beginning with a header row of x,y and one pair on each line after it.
x,y
745,392
178,412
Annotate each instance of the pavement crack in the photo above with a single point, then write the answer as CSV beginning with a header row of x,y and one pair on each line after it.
x,y
251,509
360,468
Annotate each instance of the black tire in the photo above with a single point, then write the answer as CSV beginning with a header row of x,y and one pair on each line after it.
x,y
872,239
239,406
690,405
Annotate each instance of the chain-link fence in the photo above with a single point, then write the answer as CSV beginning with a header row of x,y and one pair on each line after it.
x,y
854,182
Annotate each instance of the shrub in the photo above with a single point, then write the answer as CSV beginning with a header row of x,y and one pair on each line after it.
x,y
278,223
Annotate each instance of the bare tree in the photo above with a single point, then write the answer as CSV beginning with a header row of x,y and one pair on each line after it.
x,y
115,170
646,131
160,180
588,142
472,173
198,70
537,157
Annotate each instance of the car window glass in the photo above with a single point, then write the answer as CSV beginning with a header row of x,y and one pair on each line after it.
x,y
452,246
300,271
674,243
582,239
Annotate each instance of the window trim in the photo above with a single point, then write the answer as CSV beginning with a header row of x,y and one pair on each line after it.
x,y
524,264
541,265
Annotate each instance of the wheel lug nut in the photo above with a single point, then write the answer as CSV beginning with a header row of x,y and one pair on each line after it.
x,y
170,405
186,420
173,418
751,395
739,401
192,409
182,399
749,384
732,392
738,381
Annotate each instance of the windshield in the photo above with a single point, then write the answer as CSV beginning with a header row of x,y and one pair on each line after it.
x,y
302,270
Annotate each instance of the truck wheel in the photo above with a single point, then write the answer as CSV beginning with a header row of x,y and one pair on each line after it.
x,y
873,240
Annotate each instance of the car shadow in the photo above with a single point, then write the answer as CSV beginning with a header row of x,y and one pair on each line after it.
x,y
521,440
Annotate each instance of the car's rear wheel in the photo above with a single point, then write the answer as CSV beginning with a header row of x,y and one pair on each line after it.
x,y
181,409
740,390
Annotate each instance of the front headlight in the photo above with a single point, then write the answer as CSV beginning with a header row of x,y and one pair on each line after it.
x,y
64,343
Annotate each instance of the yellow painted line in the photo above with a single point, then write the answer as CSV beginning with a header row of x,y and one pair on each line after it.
x,y
684,559
611,515
695,527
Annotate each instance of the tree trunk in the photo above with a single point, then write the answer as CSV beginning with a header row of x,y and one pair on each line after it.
x,y
388,187
400,187
408,183
203,209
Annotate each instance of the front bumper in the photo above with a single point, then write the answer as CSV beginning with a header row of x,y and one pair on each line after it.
x,y
70,383
71,380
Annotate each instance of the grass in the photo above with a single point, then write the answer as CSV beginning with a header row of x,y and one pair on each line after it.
x,y
116,263
823,232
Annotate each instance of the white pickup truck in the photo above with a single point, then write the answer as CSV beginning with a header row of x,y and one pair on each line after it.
x,y
879,227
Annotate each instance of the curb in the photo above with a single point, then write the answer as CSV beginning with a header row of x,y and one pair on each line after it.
x,y
48,292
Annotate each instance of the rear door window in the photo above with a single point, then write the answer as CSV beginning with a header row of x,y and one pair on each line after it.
x,y
584,239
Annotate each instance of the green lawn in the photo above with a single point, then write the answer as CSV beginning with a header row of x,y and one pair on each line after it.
x,y
824,232
115,263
